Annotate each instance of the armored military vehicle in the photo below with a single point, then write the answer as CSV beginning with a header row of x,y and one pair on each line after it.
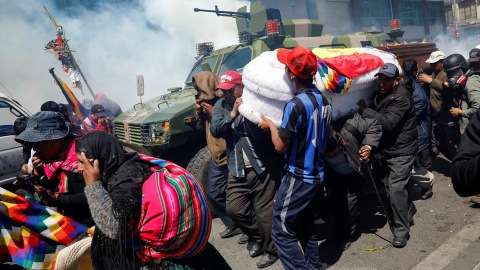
x,y
166,126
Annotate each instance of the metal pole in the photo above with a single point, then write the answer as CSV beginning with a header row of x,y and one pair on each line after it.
x,y
379,198
81,73
455,19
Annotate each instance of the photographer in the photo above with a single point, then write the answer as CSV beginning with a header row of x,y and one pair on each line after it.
x,y
467,84
97,120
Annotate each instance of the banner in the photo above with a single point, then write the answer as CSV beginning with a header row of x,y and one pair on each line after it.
x,y
32,235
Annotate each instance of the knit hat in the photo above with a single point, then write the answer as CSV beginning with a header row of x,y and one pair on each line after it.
x,y
301,61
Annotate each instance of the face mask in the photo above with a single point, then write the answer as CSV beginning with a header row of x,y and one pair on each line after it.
x,y
456,79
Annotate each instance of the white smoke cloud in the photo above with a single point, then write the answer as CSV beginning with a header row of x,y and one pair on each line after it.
x,y
448,45
113,45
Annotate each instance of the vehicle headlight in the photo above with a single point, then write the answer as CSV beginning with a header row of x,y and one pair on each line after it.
x,y
162,134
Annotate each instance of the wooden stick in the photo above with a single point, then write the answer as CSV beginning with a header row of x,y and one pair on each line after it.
x,y
379,198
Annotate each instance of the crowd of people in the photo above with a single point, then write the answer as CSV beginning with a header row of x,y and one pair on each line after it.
x,y
414,117
266,183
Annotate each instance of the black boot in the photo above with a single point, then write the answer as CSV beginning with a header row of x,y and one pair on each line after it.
x,y
427,193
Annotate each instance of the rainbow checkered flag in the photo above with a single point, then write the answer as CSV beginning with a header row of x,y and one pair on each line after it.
x,y
73,102
32,235
333,80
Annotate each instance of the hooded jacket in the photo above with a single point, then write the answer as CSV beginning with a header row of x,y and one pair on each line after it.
x,y
207,83
396,113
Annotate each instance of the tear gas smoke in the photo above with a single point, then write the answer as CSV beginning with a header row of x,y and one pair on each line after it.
x,y
112,45
448,45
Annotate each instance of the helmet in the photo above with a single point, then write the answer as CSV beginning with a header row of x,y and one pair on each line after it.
x,y
454,61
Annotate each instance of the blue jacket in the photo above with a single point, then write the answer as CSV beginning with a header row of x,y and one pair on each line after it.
x,y
422,111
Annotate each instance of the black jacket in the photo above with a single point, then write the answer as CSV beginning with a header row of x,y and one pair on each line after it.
x,y
242,134
396,113
465,171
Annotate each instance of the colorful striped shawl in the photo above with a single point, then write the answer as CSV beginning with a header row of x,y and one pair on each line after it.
x,y
175,220
56,168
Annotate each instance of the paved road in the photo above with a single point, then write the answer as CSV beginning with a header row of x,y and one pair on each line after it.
x,y
445,235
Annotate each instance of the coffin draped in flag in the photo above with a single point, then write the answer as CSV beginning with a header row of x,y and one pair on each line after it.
x,y
32,235
267,88
76,106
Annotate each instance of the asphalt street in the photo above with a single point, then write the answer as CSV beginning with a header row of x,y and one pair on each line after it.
x,y
445,235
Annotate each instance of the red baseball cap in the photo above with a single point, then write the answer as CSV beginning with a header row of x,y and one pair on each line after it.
x,y
301,61
229,79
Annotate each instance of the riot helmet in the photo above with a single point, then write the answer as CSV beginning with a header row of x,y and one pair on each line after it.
x,y
454,61
455,66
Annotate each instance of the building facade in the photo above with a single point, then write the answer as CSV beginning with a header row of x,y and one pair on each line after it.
x,y
464,16
420,19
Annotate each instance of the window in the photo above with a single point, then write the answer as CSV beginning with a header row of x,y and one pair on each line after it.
x,y
411,13
375,13
8,115
238,60
198,66
435,13
467,10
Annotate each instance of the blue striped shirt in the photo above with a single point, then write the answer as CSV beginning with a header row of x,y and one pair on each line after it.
x,y
306,121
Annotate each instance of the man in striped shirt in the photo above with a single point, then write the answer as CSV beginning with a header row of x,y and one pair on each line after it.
x,y
302,136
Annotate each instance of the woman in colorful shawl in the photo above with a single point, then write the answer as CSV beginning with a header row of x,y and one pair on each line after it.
x,y
147,211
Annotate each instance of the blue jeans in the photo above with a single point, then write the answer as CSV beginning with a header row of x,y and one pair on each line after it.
x,y
294,211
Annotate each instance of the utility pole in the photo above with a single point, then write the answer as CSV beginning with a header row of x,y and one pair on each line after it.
x,y
455,19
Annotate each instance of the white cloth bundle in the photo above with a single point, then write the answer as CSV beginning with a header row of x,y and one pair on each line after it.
x,y
267,88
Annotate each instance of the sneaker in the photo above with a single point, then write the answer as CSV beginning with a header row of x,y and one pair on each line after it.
x,y
427,193
230,231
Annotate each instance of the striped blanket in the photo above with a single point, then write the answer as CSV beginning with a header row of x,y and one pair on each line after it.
x,y
175,220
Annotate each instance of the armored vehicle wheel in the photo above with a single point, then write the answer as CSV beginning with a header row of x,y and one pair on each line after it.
x,y
198,166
